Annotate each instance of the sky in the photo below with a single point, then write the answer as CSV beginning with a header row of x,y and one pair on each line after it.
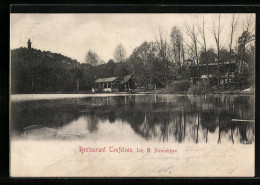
x,y
73,35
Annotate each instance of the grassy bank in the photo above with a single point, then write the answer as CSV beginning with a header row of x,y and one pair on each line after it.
x,y
180,87
235,92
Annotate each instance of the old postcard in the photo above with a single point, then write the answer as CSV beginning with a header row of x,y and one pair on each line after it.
x,y
132,95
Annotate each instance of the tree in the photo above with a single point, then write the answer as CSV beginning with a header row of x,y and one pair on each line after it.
x,y
216,31
162,67
246,53
111,67
140,72
208,56
224,55
193,34
92,58
119,53
141,63
246,40
78,75
121,69
37,71
251,64
144,52
202,34
161,44
177,44
233,27
163,72
204,45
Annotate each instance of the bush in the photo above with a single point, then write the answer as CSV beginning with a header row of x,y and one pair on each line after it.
x,y
181,86
242,79
199,88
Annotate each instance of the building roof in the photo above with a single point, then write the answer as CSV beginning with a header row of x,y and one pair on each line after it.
x,y
105,80
125,79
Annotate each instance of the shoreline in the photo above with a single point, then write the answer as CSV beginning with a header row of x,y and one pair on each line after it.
x,y
26,97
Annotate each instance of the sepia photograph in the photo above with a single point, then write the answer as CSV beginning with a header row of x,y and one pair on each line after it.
x,y
132,94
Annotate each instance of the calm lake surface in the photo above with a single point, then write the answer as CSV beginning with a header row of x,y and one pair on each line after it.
x,y
147,118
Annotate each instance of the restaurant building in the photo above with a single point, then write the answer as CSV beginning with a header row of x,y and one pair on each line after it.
x,y
114,84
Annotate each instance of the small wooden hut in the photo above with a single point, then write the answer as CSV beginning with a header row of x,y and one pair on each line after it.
x,y
114,84
106,84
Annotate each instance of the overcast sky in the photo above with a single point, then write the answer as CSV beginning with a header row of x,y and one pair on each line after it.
x,y
74,34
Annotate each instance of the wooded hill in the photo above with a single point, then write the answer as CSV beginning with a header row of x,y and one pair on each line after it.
x,y
36,71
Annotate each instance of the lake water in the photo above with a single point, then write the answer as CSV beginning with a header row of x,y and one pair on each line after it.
x,y
139,118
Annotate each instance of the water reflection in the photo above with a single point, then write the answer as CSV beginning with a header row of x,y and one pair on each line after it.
x,y
165,118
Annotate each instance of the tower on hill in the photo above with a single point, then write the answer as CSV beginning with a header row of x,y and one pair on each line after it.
x,y
29,44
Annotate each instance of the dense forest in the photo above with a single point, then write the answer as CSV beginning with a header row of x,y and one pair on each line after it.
x,y
35,71
172,66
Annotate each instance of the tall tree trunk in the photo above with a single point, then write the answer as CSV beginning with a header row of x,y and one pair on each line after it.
x,y
197,60
218,68
183,55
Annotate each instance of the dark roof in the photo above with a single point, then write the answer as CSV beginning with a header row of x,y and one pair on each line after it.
x,y
125,79
105,80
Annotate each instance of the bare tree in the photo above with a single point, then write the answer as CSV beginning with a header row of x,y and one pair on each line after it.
x,y
216,31
233,27
183,52
193,34
177,44
248,24
202,34
119,53
92,58
161,43
201,29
